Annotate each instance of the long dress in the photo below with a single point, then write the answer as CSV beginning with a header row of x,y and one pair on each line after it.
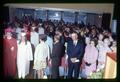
x,y
40,56
24,56
90,56
9,57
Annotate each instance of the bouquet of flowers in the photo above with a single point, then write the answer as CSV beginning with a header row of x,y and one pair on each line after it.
x,y
97,74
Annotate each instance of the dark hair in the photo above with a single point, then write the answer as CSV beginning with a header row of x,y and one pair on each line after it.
x,y
66,33
74,32
94,40
25,38
43,37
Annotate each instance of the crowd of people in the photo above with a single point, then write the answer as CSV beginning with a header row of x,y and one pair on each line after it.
x,y
55,48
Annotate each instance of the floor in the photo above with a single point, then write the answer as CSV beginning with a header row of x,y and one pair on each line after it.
x,y
31,74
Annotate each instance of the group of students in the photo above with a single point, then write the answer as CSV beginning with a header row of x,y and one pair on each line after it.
x,y
54,49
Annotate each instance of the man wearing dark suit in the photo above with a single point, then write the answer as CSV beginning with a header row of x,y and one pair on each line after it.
x,y
57,52
75,51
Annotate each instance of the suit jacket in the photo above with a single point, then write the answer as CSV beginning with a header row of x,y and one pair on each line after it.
x,y
57,52
75,51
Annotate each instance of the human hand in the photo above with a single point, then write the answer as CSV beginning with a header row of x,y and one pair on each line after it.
x,y
12,48
88,64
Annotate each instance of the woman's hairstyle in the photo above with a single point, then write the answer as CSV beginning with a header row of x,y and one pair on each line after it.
x,y
23,34
43,37
95,41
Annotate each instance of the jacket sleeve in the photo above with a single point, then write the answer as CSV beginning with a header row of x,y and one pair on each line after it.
x,y
81,51
68,49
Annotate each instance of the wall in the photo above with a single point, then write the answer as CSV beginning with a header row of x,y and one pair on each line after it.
x,y
99,8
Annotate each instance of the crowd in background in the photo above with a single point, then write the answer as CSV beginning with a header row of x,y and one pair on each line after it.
x,y
55,48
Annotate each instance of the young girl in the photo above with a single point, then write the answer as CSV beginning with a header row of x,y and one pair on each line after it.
x,y
102,54
114,47
40,56
100,42
24,56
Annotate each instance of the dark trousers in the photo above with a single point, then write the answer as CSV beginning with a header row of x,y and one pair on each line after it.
x,y
73,67
55,68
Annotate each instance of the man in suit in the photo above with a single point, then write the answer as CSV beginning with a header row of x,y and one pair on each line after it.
x,y
57,52
75,51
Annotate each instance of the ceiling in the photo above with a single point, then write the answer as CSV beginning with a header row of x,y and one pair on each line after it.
x,y
90,8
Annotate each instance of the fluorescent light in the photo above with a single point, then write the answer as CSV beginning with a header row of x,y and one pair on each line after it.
x,y
56,14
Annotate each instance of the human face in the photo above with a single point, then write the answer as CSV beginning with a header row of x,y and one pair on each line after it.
x,y
100,37
8,35
33,28
55,39
87,40
106,42
92,43
23,36
74,36
114,43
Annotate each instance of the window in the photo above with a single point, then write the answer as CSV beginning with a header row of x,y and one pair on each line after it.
x,y
54,15
82,18
40,14
69,16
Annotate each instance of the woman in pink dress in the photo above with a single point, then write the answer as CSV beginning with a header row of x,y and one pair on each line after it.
x,y
90,58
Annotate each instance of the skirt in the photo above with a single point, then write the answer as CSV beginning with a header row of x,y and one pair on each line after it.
x,y
40,65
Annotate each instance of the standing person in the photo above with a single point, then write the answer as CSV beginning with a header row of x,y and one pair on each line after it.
x,y
49,42
90,58
100,42
24,56
34,39
87,42
34,36
40,56
56,56
40,29
27,31
18,31
9,54
114,47
75,51
102,54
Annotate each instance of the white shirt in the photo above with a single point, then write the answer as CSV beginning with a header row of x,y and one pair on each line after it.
x,y
34,38
75,42
18,31
41,30
49,42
